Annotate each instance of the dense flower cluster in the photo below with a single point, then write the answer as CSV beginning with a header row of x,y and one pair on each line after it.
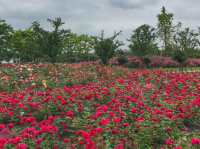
x,y
115,109
17,77
193,62
156,61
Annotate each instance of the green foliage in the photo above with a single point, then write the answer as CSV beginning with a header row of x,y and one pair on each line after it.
x,y
187,41
52,42
165,28
142,41
122,60
93,57
23,47
78,46
196,53
119,52
146,60
179,56
170,49
84,46
5,37
70,44
71,60
106,47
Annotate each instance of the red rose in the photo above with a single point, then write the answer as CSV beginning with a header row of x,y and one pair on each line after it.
x,y
57,135
39,140
195,140
66,140
21,146
80,142
169,115
178,147
10,125
51,118
99,130
169,128
2,126
134,110
169,141
132,144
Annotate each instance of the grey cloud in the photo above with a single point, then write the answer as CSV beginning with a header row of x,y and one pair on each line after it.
x,y
132,4
90,17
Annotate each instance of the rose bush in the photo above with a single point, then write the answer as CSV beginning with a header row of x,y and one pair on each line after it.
x,y
157,61
91,106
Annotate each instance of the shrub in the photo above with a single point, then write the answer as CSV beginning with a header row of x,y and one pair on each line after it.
x,y
71,60
147,60
122,60
179,56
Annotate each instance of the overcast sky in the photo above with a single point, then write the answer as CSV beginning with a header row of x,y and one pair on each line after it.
x,y
92,16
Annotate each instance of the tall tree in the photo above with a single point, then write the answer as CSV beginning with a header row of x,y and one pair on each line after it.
x,y
84,46
187,41
23,47
199,34
70,44
165,27
5,36
119,52
78,46
105,47
180,57
143,40
51,42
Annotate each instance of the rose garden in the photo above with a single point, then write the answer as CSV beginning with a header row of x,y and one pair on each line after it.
x,y
86,105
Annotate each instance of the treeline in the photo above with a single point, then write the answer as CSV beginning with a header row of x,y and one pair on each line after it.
x,y
36,44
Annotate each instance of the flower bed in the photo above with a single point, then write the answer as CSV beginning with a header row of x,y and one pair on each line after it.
x,y
115,109
157,61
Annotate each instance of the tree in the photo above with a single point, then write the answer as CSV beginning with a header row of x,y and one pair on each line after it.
x,y
165,28
122,60
5,36
23,47
84,46
180,57
199,34
187,41
142,41
78,46
105,47
119,52
52,42
70,44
